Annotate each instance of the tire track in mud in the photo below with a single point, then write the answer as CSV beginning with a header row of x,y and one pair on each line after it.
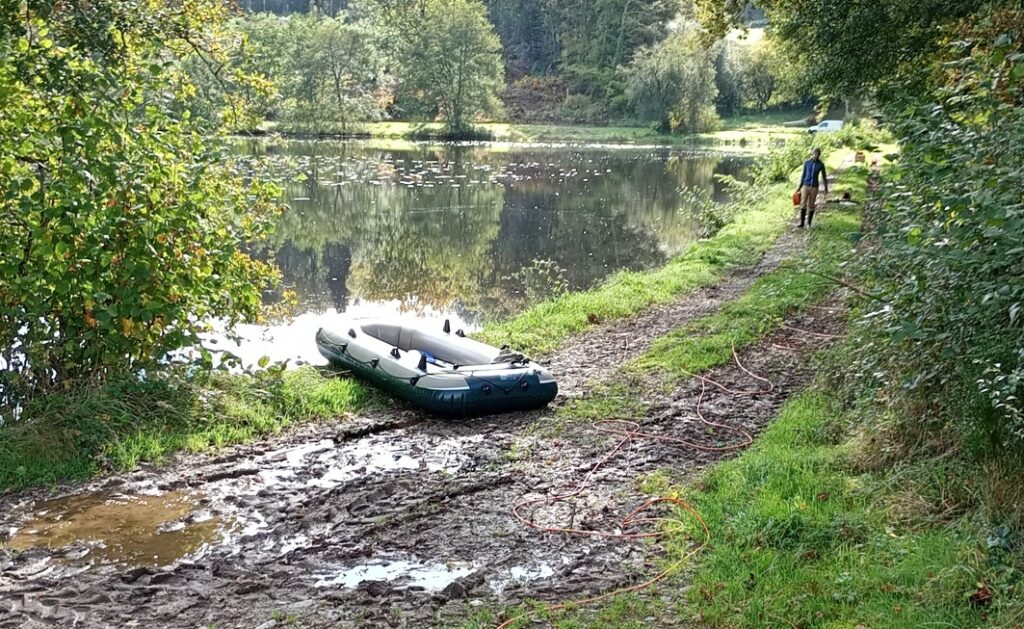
x,y
447,529
395,519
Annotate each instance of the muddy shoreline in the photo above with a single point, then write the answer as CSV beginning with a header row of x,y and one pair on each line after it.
x,y
393,519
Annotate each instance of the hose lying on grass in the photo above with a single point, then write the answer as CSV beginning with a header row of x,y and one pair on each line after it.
x,y
628,431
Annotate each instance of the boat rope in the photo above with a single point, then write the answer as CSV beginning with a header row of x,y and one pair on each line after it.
x,y
629,431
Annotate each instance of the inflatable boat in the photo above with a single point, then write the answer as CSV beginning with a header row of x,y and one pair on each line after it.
x,y
441,371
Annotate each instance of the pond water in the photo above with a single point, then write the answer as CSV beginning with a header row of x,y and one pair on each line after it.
x,y
469,233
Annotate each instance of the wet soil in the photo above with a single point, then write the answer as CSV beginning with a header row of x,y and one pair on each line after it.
x,y
394,520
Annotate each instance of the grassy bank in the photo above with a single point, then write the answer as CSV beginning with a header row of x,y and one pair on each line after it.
x,y
708,341
753,132
80,434
827,520
797,284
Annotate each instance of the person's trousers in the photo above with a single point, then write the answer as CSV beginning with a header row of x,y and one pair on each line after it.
x,y
808,198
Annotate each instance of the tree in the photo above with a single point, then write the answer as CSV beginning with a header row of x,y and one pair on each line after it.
x,y
730,68
334,71
673,83
121,222
529,32
322,71
449,60
849,46
759,78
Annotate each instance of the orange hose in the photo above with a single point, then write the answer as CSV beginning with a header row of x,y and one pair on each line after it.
x,y
630,430
813,333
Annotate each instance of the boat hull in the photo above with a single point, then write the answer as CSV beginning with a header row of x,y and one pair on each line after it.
x,y
478,390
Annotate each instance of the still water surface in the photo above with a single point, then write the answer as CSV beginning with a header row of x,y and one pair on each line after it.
x,y
470,233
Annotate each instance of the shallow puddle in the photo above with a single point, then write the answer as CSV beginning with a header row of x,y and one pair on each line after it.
x,y
120,529
518,575
325,464
143,527
400,572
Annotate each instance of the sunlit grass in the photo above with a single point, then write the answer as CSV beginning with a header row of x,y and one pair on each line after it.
x,y
798,540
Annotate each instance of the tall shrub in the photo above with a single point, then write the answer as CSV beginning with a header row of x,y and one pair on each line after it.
x,y
949,268
121,224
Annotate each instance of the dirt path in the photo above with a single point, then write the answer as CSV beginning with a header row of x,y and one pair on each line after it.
x,y
396,520
598,352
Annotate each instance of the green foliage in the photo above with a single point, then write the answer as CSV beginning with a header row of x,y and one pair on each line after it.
x,y
778,164
121,225
673,83
449,61
333,71
756,76
850,47
319,73
582,109
948,268
596,35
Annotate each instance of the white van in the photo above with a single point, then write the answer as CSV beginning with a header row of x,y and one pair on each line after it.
x,y
826,126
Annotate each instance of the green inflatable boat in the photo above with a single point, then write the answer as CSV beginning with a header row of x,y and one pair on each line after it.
x,y
443,372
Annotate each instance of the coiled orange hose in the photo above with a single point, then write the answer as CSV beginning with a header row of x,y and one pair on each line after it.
x,y
630,430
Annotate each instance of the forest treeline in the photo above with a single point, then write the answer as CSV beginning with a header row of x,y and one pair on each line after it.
x,y
329,64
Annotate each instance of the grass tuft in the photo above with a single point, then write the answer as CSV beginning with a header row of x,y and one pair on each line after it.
x,y
79,434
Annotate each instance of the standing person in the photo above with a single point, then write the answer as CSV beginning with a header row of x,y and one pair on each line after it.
x,y
808,188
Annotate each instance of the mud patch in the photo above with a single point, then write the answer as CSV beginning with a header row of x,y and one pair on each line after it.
x,y
401,572
119,529
234,505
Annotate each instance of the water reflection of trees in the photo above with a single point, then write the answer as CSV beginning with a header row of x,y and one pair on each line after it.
x,y
366,223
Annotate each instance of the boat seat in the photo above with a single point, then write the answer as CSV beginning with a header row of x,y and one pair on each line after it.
x,y
405,339
387,333
446,350
410,339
